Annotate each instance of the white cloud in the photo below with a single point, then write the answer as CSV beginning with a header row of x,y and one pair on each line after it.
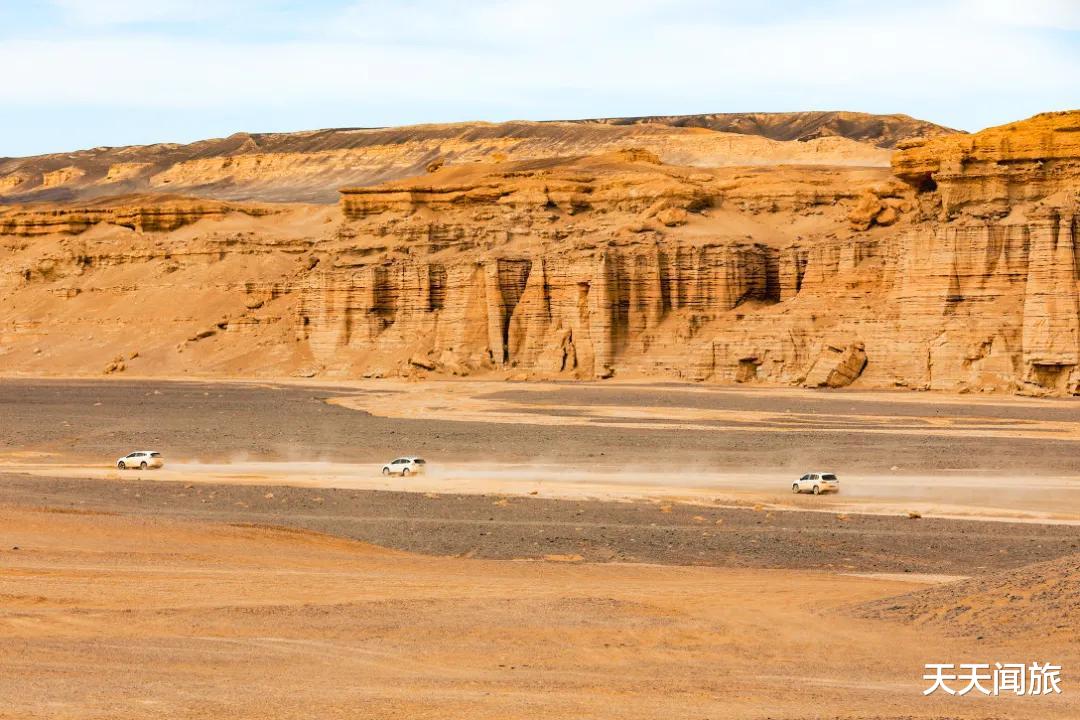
x,y
406,54
544,59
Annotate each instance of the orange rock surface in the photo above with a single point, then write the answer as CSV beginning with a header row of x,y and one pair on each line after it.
x,y
955,271
988,174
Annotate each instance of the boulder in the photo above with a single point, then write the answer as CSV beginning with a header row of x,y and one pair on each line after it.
x,y
837,367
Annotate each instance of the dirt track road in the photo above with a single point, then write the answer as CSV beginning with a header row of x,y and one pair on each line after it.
x,y
1005,458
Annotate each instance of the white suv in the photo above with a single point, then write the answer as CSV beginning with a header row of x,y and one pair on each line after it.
x,y
816,483
404,466
141,459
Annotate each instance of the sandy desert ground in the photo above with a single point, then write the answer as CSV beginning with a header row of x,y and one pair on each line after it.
x,y
558,561
118,616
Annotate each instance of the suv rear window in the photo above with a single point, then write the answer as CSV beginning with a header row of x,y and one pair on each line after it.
x,y
828,476
155,454
419,461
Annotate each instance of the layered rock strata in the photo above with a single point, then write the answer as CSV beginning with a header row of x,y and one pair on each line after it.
x,y
311,166
142,214
956,274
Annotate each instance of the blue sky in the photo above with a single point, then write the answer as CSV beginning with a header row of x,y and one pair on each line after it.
x,y
84,73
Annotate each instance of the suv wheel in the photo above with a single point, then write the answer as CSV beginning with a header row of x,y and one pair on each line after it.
x,y
121,465
404,472
386,471
142,465
817,490
795,488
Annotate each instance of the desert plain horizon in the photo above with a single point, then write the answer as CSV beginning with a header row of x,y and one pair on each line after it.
x,y
617,343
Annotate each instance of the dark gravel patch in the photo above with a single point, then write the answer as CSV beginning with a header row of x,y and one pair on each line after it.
x,y
519,527
827,402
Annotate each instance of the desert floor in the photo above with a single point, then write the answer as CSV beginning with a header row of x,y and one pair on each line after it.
x,y
610,550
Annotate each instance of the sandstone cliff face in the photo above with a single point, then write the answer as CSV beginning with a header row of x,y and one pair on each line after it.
x,y
945,307
1008,198
577,315
584,268
959,276
987,174
989,307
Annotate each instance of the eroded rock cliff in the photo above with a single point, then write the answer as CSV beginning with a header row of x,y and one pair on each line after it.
x,y
989,174
958,272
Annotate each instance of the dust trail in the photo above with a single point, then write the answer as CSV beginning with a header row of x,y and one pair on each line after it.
x,y
1042,499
